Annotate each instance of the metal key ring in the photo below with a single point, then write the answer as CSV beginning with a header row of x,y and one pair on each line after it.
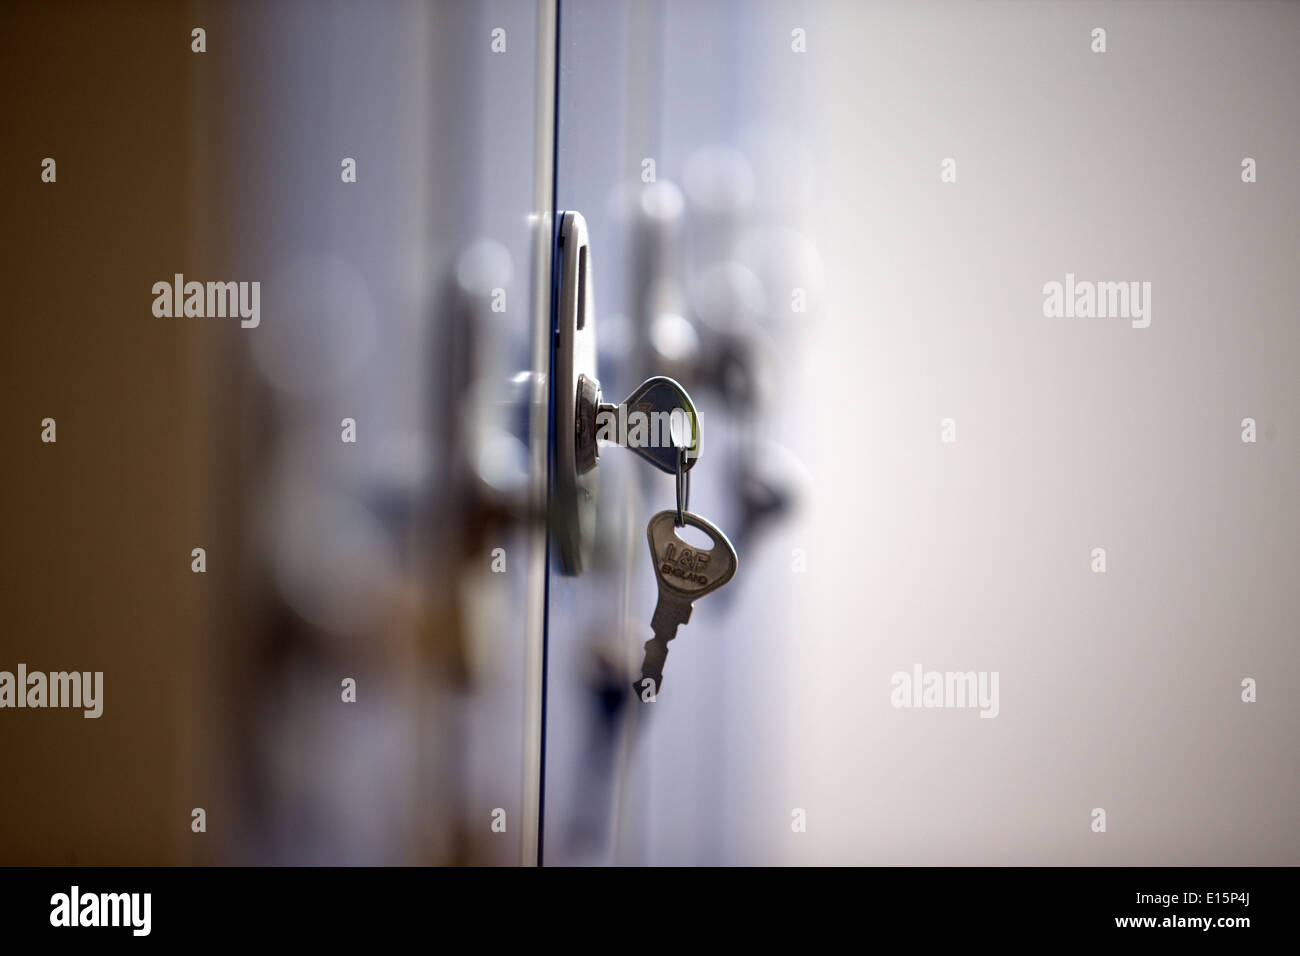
x,y
683,488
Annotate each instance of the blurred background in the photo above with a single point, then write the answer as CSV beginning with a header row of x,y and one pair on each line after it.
x,y
768,225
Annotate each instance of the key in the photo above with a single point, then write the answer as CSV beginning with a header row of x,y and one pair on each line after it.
x,y
655,422
664,402
685,574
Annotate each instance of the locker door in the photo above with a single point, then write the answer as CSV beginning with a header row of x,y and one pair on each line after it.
x,y
678,142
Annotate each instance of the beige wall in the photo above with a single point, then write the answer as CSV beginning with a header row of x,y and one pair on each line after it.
x,y
1122,690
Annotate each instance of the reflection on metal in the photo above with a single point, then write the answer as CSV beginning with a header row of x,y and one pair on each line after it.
x,y
574,507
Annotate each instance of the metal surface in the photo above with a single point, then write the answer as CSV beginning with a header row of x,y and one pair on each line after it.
x,y
574,510
587,448
683,487
663,401
684,575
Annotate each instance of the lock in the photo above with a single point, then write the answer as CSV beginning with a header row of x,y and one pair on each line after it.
x,y
657,421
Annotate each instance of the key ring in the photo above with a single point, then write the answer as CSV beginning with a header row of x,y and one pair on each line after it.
x,y
683,488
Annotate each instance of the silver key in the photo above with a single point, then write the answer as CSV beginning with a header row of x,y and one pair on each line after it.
x,y
665,409
685,574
